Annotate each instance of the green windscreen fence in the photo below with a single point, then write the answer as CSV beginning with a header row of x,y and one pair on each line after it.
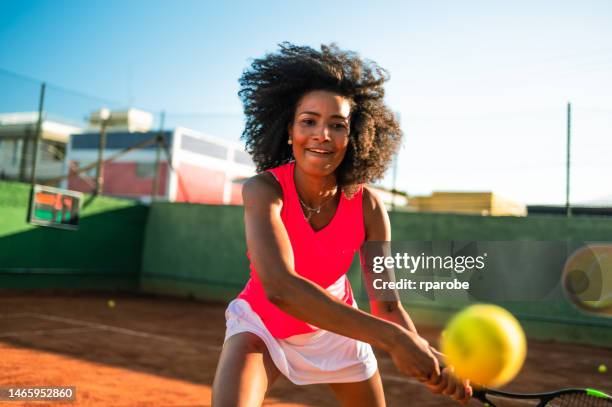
x,y
199,251
104,253
195,250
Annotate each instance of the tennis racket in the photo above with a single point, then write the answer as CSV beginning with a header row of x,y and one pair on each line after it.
x,y
558,398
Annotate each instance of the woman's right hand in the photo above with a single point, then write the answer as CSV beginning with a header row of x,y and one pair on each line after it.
x,y
413,357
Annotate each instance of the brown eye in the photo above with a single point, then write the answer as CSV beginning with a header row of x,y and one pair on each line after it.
x,y
308,122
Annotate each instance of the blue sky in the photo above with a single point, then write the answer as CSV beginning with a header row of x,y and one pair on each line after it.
x,y
481,86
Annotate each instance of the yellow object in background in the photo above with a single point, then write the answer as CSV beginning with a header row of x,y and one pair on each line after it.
x,y
587,278
111,303
486,344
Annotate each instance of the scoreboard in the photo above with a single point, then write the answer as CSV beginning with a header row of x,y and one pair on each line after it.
x,y
55,207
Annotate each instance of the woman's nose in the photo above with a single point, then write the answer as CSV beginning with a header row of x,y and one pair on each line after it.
x,y
322,133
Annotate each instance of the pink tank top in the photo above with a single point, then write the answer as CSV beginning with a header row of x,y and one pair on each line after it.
x,y
322,256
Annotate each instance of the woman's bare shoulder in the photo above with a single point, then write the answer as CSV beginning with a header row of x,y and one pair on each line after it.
x,y
371,200
262,187
376,219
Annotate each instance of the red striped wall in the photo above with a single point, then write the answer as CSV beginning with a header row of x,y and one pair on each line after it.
x,y
120,179
199,185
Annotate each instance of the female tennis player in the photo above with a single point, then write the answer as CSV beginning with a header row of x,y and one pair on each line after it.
x,y
318,131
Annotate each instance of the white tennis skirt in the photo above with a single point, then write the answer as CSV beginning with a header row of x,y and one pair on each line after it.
x,y
318,357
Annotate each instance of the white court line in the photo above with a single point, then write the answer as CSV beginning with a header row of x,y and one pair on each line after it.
x,y
44,332
103,327
93,325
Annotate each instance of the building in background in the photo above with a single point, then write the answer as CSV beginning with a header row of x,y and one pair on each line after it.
x,y
477,203
130,120
195,167
17,137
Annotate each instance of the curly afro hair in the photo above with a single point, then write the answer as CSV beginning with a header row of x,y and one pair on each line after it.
x,y
272,87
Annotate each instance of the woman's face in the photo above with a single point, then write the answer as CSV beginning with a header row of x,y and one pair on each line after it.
x,y
320,131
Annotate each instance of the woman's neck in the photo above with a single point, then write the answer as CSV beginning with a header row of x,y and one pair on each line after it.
x,y
314,190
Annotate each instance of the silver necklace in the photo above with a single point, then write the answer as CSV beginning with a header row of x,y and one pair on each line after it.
x,y
318,208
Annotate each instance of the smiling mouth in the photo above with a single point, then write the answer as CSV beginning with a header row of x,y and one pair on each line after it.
x,y
318,151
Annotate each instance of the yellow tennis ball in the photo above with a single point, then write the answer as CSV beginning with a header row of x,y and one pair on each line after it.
x,y
486,344
602,368
111,303
587,278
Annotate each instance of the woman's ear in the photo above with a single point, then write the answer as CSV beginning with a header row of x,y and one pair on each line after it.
x,y
290,132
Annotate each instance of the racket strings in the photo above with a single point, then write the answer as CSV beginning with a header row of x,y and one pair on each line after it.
x,y
579,400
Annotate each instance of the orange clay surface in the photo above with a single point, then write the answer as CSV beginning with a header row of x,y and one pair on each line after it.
x,y
149,351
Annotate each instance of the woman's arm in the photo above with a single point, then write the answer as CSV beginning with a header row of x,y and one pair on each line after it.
x,y
389,308
272,255
378,229
392,311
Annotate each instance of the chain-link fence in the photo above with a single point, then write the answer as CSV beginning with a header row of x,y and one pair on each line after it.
x,y
101,146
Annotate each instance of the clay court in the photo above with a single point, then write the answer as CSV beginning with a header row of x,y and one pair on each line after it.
x,y
155,351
